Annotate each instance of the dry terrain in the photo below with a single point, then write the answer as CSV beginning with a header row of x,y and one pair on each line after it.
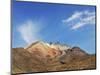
x,y
43,57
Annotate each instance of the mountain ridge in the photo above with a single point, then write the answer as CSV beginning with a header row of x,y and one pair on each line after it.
x,y
43,57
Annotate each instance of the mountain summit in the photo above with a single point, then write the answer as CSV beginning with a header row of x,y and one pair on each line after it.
x,y
43,57
52,45
46,49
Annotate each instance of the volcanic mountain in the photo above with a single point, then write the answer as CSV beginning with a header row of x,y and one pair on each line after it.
x,y
43,57
46,50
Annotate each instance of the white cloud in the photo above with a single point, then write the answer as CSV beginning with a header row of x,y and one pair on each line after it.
x,y
74,16
29,31
80,19
78,25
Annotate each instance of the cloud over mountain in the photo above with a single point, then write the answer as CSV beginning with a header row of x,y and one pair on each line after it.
x,y
29,31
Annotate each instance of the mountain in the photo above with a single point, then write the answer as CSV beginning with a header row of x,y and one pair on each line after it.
x,y
43,57
46,50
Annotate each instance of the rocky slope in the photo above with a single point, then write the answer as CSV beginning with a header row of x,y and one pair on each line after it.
x,y
44,57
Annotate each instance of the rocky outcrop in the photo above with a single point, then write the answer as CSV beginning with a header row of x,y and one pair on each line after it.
x,y
72,54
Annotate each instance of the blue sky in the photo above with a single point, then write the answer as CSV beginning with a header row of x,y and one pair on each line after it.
x,y
69,24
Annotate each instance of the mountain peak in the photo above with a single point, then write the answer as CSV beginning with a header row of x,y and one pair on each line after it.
x,y
30,45
52,45
45,49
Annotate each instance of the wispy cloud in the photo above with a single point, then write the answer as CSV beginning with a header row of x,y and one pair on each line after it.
x,y
74,16
79,19
29,31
